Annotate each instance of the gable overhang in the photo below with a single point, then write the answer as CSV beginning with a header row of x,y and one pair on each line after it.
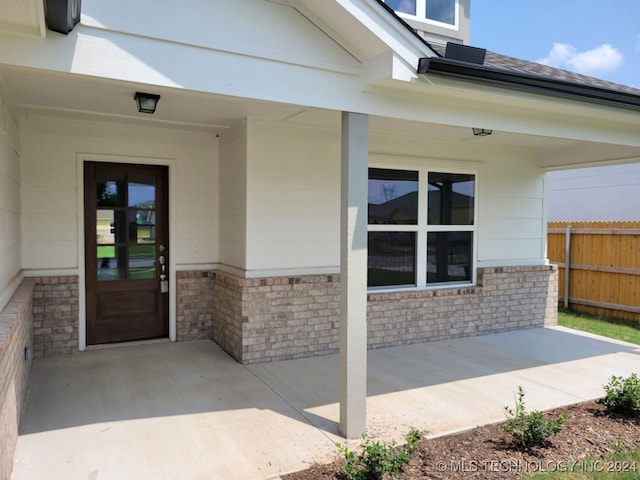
x,y
370,30
485,75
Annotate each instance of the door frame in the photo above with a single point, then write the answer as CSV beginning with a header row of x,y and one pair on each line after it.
x,y
81,158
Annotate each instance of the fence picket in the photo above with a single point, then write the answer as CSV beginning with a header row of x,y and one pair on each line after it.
x,y
604,266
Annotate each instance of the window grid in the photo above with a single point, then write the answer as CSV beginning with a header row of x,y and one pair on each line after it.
x,y
422,230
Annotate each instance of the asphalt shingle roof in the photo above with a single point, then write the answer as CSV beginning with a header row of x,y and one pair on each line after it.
x,y
517,65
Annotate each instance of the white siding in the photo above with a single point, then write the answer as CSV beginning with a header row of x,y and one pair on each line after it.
x,y
10,205
294,198
233,197
51,185
512,212
594,194
293,195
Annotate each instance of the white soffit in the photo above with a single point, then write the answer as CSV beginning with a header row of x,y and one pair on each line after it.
x,y
23,17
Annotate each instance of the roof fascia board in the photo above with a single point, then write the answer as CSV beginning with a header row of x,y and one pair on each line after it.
x,y
526,83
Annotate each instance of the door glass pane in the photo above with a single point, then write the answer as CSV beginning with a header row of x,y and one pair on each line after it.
x,y
393,197
105,227
111,262
110,190
449,256
142,261
451,199
142,226
391,259
142,191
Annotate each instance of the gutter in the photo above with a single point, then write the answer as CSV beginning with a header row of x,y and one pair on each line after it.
x,y
478,73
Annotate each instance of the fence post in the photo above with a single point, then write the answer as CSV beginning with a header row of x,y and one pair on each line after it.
x,y
567,265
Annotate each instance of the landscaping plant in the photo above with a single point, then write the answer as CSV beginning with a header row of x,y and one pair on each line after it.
x,y
530,429
622,395
377,459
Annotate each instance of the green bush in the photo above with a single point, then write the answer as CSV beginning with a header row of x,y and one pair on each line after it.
x,y
377,459
622,395
530,429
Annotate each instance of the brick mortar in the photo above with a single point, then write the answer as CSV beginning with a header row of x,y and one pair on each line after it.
x,y
16,333
194,305
277,318
55,315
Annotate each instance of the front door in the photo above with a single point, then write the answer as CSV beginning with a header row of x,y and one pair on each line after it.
x,y
126,252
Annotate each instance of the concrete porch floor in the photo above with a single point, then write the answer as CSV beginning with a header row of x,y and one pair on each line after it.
x,y
188,411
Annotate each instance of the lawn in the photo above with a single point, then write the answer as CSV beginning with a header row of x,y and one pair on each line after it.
x,y
625,330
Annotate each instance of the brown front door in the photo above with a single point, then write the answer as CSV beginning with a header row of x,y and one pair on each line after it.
x,y
126,252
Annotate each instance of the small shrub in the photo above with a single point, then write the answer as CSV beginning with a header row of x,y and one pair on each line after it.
x,y
530,429
622,395
377,459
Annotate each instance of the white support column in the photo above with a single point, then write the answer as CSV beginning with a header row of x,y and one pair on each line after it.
x,y
353,274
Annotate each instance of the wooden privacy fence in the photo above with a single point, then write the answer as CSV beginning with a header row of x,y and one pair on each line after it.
x,y
604,266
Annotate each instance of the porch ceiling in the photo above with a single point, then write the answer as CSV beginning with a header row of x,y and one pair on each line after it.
x,y
85,98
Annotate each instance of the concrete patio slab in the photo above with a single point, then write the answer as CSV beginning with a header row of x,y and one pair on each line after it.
x,y
187,410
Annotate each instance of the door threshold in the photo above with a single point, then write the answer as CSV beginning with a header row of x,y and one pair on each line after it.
x,y
133,343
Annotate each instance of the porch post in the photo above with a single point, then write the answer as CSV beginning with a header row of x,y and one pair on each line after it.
x,y
353,274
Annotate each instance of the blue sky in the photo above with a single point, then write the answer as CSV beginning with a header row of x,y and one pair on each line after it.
x,y
600,38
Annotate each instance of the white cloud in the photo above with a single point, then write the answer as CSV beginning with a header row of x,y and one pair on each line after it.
x,y
597,61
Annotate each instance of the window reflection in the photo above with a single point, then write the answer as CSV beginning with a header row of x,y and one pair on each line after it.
x,y
142,261
404,6
449,256
442,11
391,259
142,191
111,263
109,190
451,199
126,227
393,197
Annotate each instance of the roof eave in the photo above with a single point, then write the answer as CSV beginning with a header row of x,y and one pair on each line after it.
x,y
527,83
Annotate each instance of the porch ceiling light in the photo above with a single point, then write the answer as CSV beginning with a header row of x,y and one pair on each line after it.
x,y
482,132
147,102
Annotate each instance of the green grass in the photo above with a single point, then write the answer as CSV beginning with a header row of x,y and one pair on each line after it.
x,y
625,330
622,466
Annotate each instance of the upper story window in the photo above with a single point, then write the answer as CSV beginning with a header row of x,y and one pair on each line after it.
x,y
440,11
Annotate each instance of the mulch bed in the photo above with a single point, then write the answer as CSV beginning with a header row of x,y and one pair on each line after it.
x,y
487,452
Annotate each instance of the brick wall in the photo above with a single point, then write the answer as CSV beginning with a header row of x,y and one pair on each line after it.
x,y
276,318
16,333
290,317
55,315
228,316
506,298
194,305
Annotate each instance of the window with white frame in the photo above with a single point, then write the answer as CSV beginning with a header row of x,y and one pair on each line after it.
x,y
440,11
421,229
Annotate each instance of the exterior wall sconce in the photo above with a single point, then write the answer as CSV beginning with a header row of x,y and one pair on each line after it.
x,y
482,132
147,102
